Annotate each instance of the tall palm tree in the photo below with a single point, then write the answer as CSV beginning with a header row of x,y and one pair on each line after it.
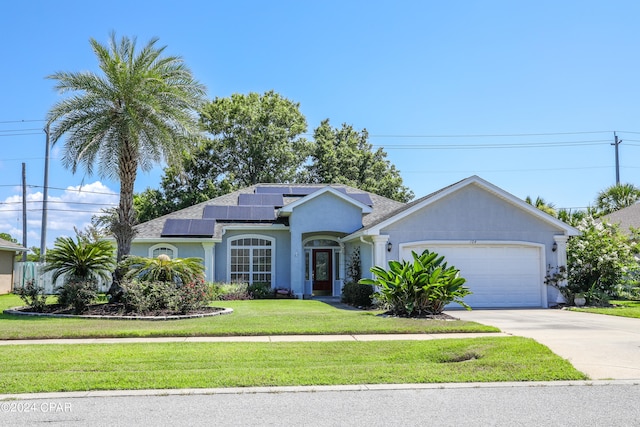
x,y
617,197
137,112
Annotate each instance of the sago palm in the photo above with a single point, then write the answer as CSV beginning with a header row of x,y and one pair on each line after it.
x,y
81,259
137,112
165,269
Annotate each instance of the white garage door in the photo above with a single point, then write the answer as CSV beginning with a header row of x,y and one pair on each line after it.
x,y
498,275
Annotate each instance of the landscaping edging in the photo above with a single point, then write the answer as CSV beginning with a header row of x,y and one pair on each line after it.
x,y
16,311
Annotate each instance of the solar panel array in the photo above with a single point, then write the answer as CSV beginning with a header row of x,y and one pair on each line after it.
x,y
363,198
267,199
292,191
240,213
188,227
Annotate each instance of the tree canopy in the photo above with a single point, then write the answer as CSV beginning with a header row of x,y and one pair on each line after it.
x,y
256,138
135,113
345,156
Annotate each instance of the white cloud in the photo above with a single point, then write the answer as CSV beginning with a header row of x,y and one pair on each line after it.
x,y
72,207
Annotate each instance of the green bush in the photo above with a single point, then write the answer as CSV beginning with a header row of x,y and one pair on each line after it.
x,y
190,297
77,293
418,288
164,269
357,294
261,290
32,295
147,297
231,291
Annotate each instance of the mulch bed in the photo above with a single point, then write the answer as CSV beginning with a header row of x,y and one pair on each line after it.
x,y
116,310
441,316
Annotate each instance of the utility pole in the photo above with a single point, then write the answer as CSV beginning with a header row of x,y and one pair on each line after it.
x,y
616,143
24,210
45,195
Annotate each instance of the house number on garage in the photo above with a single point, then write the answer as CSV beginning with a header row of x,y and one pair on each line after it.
x,y
473,242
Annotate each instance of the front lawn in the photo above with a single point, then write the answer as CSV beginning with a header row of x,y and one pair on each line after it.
x,y
50,368
620,308
258,317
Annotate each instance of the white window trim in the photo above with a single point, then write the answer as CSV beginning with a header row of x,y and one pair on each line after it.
x,y
253,236
163,245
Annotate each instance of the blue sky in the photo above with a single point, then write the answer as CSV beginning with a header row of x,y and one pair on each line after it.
x,y
525,94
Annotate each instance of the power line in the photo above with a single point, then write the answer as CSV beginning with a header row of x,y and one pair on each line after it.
x,y
497,135
491,146
22,121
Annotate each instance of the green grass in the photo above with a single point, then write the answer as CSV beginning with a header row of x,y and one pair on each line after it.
x,y
258,317
50,368
620,308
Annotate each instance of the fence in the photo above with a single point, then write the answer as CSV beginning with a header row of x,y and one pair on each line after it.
x,y
25,271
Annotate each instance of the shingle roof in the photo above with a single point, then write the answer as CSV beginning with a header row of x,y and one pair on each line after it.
x,y
153,229
628,217
7,245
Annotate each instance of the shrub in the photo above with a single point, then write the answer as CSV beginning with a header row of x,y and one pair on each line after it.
x,y
190,297
261,290
77,293
357,294
147,297
418,288
81,259
231,291
600,261
32,295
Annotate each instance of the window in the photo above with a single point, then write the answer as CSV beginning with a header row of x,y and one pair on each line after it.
x,y
251,260
163,248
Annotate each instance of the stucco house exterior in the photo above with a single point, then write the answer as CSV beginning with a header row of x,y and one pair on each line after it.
x,y
8,252
303,237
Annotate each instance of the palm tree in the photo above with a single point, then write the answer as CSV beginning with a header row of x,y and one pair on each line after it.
x,y
617,197
138,112
541,204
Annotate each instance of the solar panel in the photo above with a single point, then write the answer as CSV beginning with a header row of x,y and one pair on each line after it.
x,y
188,227
240,213
363,198
273,190
267,199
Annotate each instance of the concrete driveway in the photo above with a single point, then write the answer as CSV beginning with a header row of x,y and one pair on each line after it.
x,y
603,347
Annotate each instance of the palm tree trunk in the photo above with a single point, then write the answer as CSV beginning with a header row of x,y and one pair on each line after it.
x,y
123,229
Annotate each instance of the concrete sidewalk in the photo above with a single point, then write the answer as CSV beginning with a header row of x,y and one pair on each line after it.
x,y
261,338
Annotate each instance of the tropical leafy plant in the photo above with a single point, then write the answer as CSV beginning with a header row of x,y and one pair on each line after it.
x,y
164,269
422,287
81,259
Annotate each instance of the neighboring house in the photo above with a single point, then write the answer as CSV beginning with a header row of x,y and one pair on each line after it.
x,y
627,218
8,253
303,237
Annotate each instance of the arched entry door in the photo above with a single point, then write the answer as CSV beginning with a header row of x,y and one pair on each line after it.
x,y
322,277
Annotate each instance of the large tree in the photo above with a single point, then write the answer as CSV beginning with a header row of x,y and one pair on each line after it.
x,y
256,138
137,112
345,156
616,197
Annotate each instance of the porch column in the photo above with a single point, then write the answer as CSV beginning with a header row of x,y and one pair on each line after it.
x,y
561,260
380,250
209,264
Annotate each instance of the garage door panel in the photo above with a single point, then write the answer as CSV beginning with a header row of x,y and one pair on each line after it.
x,y
498,275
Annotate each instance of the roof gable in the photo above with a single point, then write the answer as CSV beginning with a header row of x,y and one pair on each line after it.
x,y
430,199
288,209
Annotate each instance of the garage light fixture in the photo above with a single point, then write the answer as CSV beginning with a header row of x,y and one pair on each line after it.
x,y
389,246
554,247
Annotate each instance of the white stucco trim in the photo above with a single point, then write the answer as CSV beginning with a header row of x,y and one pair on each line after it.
x,y
209,264
288,209
163,245
541,248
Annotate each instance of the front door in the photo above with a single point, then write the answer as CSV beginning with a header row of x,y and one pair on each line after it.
x,y
322,278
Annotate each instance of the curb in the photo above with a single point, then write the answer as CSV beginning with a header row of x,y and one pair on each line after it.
x,y
311,389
